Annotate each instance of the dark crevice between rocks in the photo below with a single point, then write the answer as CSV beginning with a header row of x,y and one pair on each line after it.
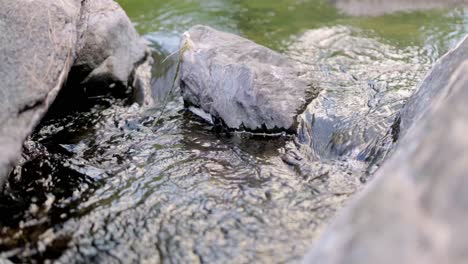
x,y
395,129
78,97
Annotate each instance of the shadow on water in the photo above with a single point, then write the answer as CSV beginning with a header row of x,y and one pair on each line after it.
x,y
110,182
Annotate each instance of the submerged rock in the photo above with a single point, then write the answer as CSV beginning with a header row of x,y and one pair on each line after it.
x,y
415,210
38,51
244,85
364,83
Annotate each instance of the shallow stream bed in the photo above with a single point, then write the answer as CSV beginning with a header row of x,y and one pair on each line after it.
x,y
114,183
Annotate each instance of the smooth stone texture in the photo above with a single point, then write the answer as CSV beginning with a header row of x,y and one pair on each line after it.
x,y
430,88
38,51
381,7
246,85
111,47
415,210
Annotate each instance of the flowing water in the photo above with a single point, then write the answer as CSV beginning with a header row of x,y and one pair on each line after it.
x,y
110,182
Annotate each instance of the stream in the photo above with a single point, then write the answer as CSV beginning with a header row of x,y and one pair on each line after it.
x,y
110,182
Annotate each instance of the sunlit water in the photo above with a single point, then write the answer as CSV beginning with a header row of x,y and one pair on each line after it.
x,y
121,184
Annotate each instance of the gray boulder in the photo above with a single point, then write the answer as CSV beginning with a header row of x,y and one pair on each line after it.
x,y
109,47
247,86
415,210
430,89
36,53
40,43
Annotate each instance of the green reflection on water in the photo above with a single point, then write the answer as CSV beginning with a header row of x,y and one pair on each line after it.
x,y
277,23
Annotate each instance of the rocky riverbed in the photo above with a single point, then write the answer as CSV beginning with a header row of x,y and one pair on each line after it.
x,y
198,173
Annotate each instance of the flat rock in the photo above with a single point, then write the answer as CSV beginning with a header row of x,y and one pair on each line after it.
x,y
415,210
244,85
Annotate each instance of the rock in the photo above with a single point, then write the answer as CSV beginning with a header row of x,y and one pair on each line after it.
x,y
430,89
36,52
376,8
109,48
5,261
415,210
364,84
142,92
40,42
245,85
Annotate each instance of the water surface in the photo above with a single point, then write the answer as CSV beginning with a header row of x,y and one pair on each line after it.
x,y
115,183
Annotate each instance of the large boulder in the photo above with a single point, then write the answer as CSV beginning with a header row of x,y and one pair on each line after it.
x,y
37,49
40,42
244,85
431,88
415,210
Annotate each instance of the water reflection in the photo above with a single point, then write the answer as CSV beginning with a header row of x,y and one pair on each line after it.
x,y
276,24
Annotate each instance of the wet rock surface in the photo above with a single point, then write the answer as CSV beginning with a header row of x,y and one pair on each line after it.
x,y
109,181
120,182
352,116
415,210
244,85
38,52
36,55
